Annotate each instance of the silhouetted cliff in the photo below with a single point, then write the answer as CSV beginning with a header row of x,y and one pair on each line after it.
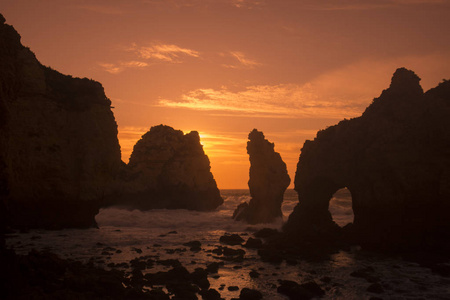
x,y
167,169
394,159
268,182
58,141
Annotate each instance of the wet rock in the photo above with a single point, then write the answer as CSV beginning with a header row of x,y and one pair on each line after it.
x,y
270,255
194,245
249,294
254,274
268,182
253,243
210,294
266,232
368,273
232,252
231,239
137,250
233,288
375,288
200,278
46,276
325,279
299,291
169,262
213,267
138,264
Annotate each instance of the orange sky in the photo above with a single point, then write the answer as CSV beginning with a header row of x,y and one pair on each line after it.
x,y
224,67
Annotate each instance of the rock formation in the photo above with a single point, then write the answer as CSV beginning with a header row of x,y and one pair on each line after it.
x,y
394,159
168,169
58,141
268,182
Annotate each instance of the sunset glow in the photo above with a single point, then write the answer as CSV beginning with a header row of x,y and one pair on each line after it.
x,y
224,67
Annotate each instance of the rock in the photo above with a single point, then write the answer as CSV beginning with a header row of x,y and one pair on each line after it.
x,y
249,294
46,276
254,274
395,162
194,245
59,150
233,288
231,239
213,267
266,233
268,182
200,278
167,169
271,256
210,294
375,288
253,243
366,273
300,291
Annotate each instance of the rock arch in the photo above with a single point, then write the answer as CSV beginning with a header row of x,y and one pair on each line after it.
x,y
393,159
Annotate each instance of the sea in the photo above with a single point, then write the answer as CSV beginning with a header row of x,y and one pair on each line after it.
x,y
124,235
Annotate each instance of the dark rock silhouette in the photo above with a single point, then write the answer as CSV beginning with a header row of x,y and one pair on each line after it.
x,y
167,169
394,159
268,182
58,142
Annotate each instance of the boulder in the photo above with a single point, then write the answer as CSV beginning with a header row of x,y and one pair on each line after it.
x,y
58,142
268,182
394,159
167,169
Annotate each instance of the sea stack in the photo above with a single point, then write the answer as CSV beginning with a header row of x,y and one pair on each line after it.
x,y
268,182
58,142
394,159
168,169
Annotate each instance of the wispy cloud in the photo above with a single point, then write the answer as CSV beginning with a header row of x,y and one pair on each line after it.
x,y
272,101
240,60
121,66
144,56
163,52
249,4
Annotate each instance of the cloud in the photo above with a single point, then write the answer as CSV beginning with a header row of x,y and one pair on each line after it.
x,y
337,94
272,101
248,4
164,52
121,66
241,60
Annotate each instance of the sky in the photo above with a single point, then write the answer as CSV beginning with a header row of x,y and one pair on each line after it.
x,y
224,67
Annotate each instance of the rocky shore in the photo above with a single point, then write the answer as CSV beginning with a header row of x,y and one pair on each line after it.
x,y
193,270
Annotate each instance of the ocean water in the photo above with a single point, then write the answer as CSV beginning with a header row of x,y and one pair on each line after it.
x,y
162,233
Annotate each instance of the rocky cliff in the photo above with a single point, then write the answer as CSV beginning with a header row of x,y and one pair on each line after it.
x,y
58,141
394,159
167,169
268,182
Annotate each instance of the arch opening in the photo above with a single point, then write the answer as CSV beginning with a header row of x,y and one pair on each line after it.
x,y
340,207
